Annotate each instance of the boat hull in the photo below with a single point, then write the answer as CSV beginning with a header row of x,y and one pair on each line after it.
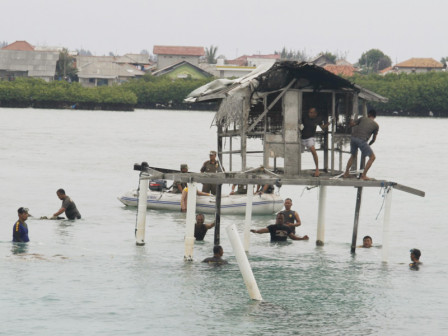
x,y
265,204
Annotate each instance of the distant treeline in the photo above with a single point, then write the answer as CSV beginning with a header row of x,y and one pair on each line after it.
x,y
31,92
409,94
147,92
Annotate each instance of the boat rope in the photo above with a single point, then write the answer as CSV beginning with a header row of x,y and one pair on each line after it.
x,y
384,191
307,188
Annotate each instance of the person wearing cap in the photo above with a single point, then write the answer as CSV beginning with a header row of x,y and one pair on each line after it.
x,y
68,206
415,257
210,166
177,185
20,228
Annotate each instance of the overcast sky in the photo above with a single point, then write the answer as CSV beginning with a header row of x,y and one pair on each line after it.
x,y
400,28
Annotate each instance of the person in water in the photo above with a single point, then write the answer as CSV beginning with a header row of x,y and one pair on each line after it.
x,y
200,229
68,206
415,258
279,231
217,257
292,218
20,228
367,242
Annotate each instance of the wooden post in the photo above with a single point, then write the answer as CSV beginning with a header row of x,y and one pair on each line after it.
x,y
190,223
248,223
243,135
141,211
218,214
386,224
220,147
355,225
230,155
321,216
333,126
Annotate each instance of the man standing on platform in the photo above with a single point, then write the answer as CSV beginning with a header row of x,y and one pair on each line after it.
x,y
362,130
210,166
292,218
310,122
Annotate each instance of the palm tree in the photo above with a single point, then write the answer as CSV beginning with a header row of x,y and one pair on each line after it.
x,y
210,54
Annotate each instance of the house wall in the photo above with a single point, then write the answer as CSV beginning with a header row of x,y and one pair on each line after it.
x,y
166,60
418,70
229,72
253,61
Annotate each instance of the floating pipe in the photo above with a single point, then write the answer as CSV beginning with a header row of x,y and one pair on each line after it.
x,y
191,220
386,222
243,263
321,216
141,211
248,223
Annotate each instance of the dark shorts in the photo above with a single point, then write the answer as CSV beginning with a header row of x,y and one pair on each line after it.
x,y
363,146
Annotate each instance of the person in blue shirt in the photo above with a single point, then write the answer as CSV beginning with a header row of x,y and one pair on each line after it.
x,y
20,228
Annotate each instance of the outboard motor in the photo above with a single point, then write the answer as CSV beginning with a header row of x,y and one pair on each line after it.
x,y
157,185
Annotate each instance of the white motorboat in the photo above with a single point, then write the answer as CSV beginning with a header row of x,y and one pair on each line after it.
x,y
264,204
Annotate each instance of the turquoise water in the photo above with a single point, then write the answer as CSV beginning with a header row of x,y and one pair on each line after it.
x,y
88,277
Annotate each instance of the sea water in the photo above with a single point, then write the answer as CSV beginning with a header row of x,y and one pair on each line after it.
x,y
88,277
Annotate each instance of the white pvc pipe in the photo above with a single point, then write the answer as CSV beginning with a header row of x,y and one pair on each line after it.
x,y
243,263
141,211
386,224
321,216
191,220
248,223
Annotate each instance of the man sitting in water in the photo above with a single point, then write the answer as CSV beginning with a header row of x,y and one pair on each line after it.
x,y
367,242
200,229
415,257
292,218
68,206
217,257
280,231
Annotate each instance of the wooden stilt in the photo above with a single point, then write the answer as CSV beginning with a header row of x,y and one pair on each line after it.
x,y
355,225
248,222
386,230
190,222
218,214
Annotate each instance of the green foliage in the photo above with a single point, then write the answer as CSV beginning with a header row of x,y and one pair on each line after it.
x,y
373,61
210,54
413,93
66,67
293,55
152,90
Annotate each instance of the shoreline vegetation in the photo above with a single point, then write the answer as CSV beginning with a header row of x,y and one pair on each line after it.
x,y
409,94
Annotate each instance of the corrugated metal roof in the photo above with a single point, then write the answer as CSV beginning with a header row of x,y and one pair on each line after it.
x,y
178,50
107,70
19,46
37,63
420,63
